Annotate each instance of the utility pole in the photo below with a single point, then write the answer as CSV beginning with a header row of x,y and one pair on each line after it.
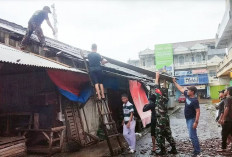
x,y
54,15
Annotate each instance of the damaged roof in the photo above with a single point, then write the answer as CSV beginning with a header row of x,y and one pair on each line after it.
x,y
75,52
14,56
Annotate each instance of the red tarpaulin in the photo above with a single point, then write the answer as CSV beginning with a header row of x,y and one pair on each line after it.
x,y
140,99
69,81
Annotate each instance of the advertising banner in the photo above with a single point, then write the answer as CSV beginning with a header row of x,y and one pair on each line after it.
x,y
164,58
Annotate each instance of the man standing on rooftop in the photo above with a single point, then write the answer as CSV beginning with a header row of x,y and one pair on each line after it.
x,y
34,24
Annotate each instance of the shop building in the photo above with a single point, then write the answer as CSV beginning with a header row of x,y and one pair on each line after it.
x,y
224,40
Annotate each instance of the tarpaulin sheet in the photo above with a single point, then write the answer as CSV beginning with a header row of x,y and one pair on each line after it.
x,y
140,99
72,85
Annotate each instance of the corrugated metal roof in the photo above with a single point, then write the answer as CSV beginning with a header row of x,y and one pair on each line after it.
x,y
11,55
117,65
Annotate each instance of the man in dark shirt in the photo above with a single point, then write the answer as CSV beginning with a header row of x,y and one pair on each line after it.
x,y
151,106
226,121
192,114
220,106
95,70
34,24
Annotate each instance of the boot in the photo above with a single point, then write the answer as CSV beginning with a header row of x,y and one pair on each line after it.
x,y
173,151
161,152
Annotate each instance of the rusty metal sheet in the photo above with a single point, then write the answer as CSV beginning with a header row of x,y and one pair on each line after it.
x,y
12,55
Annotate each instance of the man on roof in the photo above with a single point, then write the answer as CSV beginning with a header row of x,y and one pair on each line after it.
x,y
34,25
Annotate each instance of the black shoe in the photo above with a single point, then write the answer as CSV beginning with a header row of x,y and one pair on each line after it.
x,y
173,151
161,152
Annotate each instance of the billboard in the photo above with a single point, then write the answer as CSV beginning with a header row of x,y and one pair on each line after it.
x,y
164,57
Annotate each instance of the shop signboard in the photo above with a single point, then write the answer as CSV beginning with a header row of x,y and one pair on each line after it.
x,y
191,80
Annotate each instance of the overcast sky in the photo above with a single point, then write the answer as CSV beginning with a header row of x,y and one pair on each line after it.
x,y
123,28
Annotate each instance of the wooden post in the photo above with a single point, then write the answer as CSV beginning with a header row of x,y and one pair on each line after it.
x,y
61,139
41,52
87,126
17,44
36,121
50,143
7,39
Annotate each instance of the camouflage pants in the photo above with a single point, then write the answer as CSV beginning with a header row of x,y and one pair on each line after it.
x,y
163,131
38,31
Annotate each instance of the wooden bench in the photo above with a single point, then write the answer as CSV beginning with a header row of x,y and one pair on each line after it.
x,y
49,135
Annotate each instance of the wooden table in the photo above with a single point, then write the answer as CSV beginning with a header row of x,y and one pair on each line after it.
x,y
49,136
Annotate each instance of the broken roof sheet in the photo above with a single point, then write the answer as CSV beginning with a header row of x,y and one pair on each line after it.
x,y
12,55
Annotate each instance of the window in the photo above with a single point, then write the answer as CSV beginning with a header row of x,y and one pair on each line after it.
x,y
198,58
193,60
181,60
212,73
186,58
144,63
203,57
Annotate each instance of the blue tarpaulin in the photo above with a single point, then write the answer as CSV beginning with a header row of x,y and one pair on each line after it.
x,y
82,98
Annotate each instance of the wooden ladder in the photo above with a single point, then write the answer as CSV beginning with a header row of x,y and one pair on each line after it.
x,y
75,130
106,120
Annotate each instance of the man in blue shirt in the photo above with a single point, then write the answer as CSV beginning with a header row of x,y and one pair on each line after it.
x,y
192,114
95,69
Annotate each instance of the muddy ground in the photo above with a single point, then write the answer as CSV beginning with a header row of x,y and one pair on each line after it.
x,y
208,132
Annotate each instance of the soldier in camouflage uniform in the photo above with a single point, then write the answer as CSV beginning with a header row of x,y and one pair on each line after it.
x,y
163,130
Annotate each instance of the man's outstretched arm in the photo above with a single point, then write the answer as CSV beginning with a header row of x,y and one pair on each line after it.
x,y
180,88
157,76
50,25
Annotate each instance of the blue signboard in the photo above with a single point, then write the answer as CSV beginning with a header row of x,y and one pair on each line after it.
x,y
193,79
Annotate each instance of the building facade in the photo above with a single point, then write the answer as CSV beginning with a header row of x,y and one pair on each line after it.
x,y
195,64
146,60
224,40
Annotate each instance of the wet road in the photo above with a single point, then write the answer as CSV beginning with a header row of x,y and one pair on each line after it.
x,y
208,133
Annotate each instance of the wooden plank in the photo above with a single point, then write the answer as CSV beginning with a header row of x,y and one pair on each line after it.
x,y
11,144
5,140
3,151
14,151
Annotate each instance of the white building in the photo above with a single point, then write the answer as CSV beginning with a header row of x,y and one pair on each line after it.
x,y
224,40
146,60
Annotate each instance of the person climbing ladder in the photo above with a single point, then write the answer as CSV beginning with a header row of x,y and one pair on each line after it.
x,y
95,70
